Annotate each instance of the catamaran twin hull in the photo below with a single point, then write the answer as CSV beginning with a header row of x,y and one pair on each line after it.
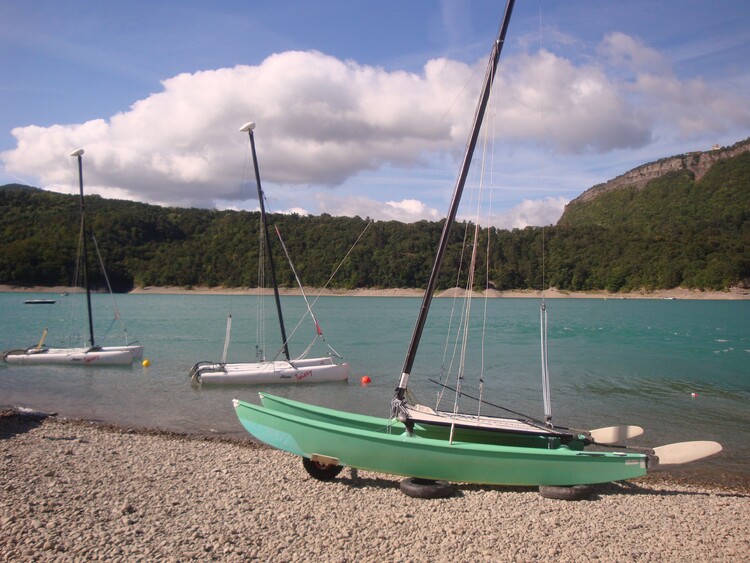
x,y
308,370
384,445
105,356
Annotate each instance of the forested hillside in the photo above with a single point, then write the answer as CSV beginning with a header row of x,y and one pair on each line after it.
x,y
674,232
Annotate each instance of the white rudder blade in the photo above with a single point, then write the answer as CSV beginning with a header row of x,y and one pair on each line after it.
x,y
685,452
614,434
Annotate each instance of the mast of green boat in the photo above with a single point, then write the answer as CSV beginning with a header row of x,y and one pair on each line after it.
x,y
494,58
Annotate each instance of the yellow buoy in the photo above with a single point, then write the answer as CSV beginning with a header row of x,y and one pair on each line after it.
x,y
146,363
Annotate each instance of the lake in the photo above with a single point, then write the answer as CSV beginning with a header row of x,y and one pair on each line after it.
x,y
678,368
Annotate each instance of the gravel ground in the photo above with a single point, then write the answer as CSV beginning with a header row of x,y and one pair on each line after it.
x,y
76,491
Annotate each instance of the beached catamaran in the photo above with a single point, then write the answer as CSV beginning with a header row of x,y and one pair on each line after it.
x,y
429,446
302,369
92,354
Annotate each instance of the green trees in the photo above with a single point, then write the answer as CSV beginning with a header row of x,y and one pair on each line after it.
x,y
674,232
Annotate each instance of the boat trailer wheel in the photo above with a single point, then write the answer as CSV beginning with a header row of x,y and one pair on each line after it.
x,y
427,488
321,471
574,492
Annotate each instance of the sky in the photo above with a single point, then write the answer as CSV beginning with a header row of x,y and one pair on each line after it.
x,y
363,108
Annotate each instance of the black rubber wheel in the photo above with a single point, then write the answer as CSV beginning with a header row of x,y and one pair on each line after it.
x,y
320,471
573,492
427,488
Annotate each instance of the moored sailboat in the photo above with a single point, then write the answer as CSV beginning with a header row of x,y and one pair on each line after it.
x,y
93,354
423,443
302,369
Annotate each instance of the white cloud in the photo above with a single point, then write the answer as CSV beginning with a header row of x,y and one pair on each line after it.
x,y
323,121
528,213
682,108
406,211
626,52
410,208
571,109
320,121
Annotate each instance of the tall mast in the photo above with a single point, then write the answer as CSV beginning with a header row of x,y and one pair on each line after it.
x,y
442,246
248,127
78,154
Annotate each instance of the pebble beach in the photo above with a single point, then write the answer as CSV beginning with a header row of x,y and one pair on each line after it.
x,y
74,490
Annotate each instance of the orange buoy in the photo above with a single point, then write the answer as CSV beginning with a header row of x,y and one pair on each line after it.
x,y
365,379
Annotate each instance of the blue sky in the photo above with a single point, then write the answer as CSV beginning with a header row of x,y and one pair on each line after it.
x,y
362,108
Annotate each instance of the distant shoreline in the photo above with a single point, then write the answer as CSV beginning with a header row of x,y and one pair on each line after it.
x,y
679,293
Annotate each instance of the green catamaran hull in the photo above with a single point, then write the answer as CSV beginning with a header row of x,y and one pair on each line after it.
x,y
435,432
388,448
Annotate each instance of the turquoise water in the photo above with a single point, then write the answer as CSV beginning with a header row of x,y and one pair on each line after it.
x,y
611,362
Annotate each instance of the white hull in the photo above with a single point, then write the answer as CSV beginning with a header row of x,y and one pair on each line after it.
x,y
135,349
308,370
76,356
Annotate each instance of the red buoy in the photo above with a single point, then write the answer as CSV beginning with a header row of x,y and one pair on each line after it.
x,y
365,380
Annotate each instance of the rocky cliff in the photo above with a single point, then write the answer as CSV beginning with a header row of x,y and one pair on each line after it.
x,y
696,162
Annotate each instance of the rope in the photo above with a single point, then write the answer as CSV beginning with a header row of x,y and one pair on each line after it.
x,y
299,283
318,331
117,316
525,417
370,222
260,325
443,370
310,306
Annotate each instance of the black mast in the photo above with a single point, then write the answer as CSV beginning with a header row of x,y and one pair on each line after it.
x,y
249,128
78,154
478,117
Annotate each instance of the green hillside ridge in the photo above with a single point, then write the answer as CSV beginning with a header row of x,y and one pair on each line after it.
x,y
671,231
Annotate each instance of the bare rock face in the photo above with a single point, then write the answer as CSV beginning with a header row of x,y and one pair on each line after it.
x,y
699,163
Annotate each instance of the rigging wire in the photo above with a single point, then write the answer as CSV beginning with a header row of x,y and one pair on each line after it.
x,y
318,331
470,281
443,371
486,286
309,305
367,226
493,121
116,310
260,302
71,336
465,324
260,325
463,328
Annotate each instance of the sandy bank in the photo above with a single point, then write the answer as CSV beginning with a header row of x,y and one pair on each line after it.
x,y
679,293
76,491
733,294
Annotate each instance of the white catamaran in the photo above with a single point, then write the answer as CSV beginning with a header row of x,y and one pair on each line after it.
x,y
433,447
92,354
302,369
